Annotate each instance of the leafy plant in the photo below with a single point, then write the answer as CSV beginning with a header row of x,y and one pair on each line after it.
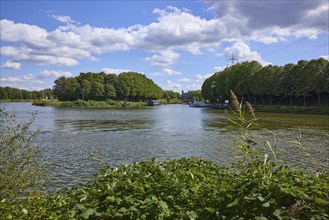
x,y
22,169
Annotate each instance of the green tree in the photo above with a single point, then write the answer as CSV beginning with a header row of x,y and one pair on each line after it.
x,y
319,74
67,89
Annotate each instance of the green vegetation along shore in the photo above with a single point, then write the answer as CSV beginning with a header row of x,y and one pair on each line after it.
x,y
103,104
323,110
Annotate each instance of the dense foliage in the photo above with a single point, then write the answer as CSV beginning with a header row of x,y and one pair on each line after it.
x,y
184,189
22,170
129,86
8,93
170,95
304,83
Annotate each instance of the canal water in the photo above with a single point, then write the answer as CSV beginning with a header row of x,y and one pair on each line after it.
x,y
123,136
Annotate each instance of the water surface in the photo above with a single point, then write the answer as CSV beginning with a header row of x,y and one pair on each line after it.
x,y
122,136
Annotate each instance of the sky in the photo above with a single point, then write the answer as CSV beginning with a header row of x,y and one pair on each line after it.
x,y
177,44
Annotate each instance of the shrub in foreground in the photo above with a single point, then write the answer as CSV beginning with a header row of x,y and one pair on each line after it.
x,y
22,168
188,188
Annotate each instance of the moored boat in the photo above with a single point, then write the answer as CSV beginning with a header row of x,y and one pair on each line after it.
x,y
199,104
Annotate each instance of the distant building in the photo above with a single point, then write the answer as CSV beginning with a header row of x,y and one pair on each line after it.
x,y
186,97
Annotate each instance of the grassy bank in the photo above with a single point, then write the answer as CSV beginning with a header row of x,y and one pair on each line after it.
x,y
19,100
293,109
90,103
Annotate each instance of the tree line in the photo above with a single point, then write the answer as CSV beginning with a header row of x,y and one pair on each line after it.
x,y
304,83
130,86
8,93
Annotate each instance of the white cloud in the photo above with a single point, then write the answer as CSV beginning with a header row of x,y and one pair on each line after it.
x,y
11,65
114,71
52,74
166,58
170,72
326,57
184,80
64,19
22,83
219,68
174,30
166,72
266,13
38,81
242,53
173,86
201,78
192,84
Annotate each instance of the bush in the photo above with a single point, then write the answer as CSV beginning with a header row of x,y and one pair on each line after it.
x,y
22,169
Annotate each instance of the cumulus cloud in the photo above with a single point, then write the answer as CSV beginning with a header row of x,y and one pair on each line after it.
x,y
219,68
64,19
166,72
170,72
192,84
241,52
326,57
30,81
166,58
114,71
184,80
11,65
52,74
173,86
201,78
268,13
174,30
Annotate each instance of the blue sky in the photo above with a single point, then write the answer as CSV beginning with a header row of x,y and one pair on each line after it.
x,y
178,44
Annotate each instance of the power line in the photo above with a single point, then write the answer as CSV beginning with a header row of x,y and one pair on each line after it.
x,y
291,44
303,52
232,59
310,20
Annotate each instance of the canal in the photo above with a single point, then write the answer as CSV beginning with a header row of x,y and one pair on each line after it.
x,y
122,136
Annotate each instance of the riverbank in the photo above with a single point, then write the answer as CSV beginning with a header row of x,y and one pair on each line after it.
x,y
90,103
322,110
105,104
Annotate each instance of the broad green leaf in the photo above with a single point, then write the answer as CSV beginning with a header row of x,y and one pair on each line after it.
x,y
24,210
88,213
266,205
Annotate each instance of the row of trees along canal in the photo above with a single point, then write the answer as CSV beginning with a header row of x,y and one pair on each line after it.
x,y
304,83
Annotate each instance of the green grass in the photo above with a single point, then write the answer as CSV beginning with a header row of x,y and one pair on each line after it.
x,y
90,103
293,109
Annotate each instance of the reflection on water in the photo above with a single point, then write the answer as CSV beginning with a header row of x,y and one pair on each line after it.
x,y
68,135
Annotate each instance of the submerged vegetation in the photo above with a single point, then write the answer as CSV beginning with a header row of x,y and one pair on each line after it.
x,y
254,186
